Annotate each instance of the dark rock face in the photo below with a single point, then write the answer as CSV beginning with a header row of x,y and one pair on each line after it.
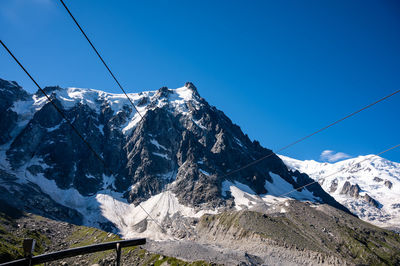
x,y
354,191
351,190
187,146
30,198
388,184
377,179
334,186
10,92
371,201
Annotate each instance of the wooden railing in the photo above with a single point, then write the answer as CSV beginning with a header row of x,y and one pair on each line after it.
x,y
33,260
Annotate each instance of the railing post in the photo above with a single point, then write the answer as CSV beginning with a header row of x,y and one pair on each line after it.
x,y
29,246
118,248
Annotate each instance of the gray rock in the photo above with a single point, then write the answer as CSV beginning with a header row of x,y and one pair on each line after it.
x,y
351,190
388,184
371,201
334,186
10,93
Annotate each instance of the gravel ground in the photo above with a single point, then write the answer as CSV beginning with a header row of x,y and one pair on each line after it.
x,y
189,250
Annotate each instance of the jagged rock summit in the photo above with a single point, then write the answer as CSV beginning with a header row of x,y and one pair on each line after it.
x,y
173,161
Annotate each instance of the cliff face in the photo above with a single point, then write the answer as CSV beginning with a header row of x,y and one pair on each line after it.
x,y
10,92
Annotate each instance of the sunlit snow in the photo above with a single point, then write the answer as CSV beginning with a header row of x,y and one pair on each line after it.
x,y
364,171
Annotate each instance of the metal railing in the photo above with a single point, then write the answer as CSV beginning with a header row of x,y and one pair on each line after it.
x,y
67,253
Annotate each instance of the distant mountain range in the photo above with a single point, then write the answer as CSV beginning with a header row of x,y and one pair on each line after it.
x,y
369,186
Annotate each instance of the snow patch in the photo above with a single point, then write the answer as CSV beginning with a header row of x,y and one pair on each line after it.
x,y
279,187
238,142
158,145
198,123
89,176
51,129
108,181
87,206
23,108
242,194
131,124
161,155
101,129
159,207
204,172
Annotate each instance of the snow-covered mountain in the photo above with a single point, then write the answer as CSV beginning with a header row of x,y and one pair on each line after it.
x,y
173,161
369,186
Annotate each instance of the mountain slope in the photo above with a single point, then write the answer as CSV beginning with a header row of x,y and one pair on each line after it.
x,y
173,161
51,235
369,186
304,234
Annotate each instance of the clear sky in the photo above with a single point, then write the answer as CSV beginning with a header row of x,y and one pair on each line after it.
x,y
278,69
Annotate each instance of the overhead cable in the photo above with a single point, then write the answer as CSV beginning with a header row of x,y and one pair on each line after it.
x,y
72,126
310,135
100,57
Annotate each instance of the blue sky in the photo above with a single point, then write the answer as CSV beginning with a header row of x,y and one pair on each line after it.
x,y
278,69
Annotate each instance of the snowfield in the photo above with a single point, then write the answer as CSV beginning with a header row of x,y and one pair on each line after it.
x,y
70,97
376,176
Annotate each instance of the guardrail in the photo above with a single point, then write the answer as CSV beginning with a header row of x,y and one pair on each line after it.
x,y
33,260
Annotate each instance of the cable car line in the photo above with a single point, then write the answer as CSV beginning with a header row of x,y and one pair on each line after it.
x,y
310,135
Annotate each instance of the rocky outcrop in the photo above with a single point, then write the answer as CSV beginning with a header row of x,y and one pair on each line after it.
x,y
351,190
334,186
354,191
388,184
10,93
371,200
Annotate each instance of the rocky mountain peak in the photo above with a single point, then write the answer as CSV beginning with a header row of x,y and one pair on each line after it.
x,y
10,95
49,90
192,87
10,91
178,144
163,92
